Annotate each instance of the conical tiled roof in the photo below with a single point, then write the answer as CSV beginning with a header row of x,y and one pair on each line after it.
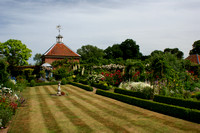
x,y
60,49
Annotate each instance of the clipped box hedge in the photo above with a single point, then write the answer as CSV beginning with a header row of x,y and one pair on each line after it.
x,y
85,87
100,86
84,82
177,101
131,93
43,83
176,111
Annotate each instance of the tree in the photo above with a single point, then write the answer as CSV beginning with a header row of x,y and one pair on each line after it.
x,y
113,52
196,48
89,51
156,52
130,49
15,52
38,59
175,51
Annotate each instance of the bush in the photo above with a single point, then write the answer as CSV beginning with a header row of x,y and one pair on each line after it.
x,y
32,83
131,93
63,81
5,116
85,87
100,86
176,111
6,111
177,101
86,82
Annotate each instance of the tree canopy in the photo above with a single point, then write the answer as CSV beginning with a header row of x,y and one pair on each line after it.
x,y
130,49
196,48
16,52
89,51
179,54
38,59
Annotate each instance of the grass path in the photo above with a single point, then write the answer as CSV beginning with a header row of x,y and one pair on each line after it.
x,y
86,112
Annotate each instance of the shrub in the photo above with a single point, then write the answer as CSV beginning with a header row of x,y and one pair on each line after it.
x,y
85,87
32,83
131,93
177,101
100,86
176,111
5,115
86,82
63,81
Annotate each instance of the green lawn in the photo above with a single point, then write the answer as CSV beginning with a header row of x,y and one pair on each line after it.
x,y
87,112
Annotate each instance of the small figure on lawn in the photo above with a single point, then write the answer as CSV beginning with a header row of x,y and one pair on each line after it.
x,y
59,89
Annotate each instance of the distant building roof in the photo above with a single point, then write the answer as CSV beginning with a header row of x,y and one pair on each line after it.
x,y
60,49
195,58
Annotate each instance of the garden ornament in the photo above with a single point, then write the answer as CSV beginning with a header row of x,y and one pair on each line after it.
x,y
59,89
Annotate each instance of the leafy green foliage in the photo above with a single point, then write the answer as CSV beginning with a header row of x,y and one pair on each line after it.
x,y
89,51
113,52
38,59
176,111
130,49
3,71
85,87
179,54
177,101
131,93
196,48
32,83
101,86
15,52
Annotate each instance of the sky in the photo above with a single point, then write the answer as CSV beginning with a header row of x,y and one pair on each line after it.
x,y
153,24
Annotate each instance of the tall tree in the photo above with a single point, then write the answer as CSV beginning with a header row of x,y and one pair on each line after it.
x,y
38,59
89,51
196,48
130,49
113,52
175,51
16,53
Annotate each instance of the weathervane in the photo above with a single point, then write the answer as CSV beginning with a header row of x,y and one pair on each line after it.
x,y
58,28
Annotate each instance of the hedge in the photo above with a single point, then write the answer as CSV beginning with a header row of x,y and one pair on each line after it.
x,y
86,82
43,83
177,101
176,111
131,93
85,87
100,86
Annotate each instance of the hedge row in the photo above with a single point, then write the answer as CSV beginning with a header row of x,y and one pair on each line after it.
x,y
43,83
176,111
85,87
84,82
177,101
131,93
100,86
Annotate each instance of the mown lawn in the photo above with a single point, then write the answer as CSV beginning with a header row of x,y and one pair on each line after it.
x,y
86,112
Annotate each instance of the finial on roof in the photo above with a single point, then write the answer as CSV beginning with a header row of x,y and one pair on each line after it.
x,y
58,27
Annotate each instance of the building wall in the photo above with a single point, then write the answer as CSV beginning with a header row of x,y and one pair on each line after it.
x,y
50,60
